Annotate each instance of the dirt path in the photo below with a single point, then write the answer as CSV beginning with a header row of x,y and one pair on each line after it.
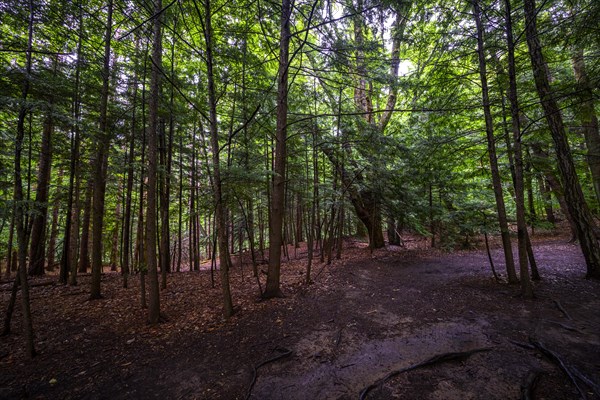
x,y
363,318
392,313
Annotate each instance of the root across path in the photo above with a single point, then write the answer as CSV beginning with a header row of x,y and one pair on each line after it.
x,y
391,324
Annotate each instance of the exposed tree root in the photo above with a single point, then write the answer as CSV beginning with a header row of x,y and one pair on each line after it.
x,y
522,344
562,309
283,354
440,358
593,385
528,386
572,373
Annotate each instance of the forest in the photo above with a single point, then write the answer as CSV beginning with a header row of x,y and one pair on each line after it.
x,y
151,148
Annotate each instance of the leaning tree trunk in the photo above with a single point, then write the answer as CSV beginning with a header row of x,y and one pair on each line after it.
x,y
491,145
578,208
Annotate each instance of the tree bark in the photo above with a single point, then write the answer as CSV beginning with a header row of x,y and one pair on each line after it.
x,y
151,197
68,262
100,165
522,234
51,253
545,191
126,250
277,210
573,194
166,162
9,247
220,209
20,206
84,245
37,251
491,145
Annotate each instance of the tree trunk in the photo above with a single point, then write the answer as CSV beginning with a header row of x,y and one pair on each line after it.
x,y
51,254
545,190
180,216
126,250
100,165
68,262
114,248
277,210
166,161
20,206
522,234
573,193
84,245
220,208
151,209
9,248
37,251
491,145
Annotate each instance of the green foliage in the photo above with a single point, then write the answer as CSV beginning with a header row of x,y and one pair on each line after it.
x,y
434,143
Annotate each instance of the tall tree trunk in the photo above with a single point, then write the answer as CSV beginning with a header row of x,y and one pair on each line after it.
x,y
491,145
20,206
114,250
9,247
573,193
526,287
310,235
37,250
151,209
166,161
51,254
100,167
126,250
84,245
220,208
68,262
277,210
180,221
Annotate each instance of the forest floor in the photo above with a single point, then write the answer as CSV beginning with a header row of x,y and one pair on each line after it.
x,y
364,317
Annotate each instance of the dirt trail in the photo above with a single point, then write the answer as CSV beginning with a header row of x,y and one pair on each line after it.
x,y
364,317
393,313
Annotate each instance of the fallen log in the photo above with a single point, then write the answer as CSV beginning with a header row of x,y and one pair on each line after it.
x,y
437,359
